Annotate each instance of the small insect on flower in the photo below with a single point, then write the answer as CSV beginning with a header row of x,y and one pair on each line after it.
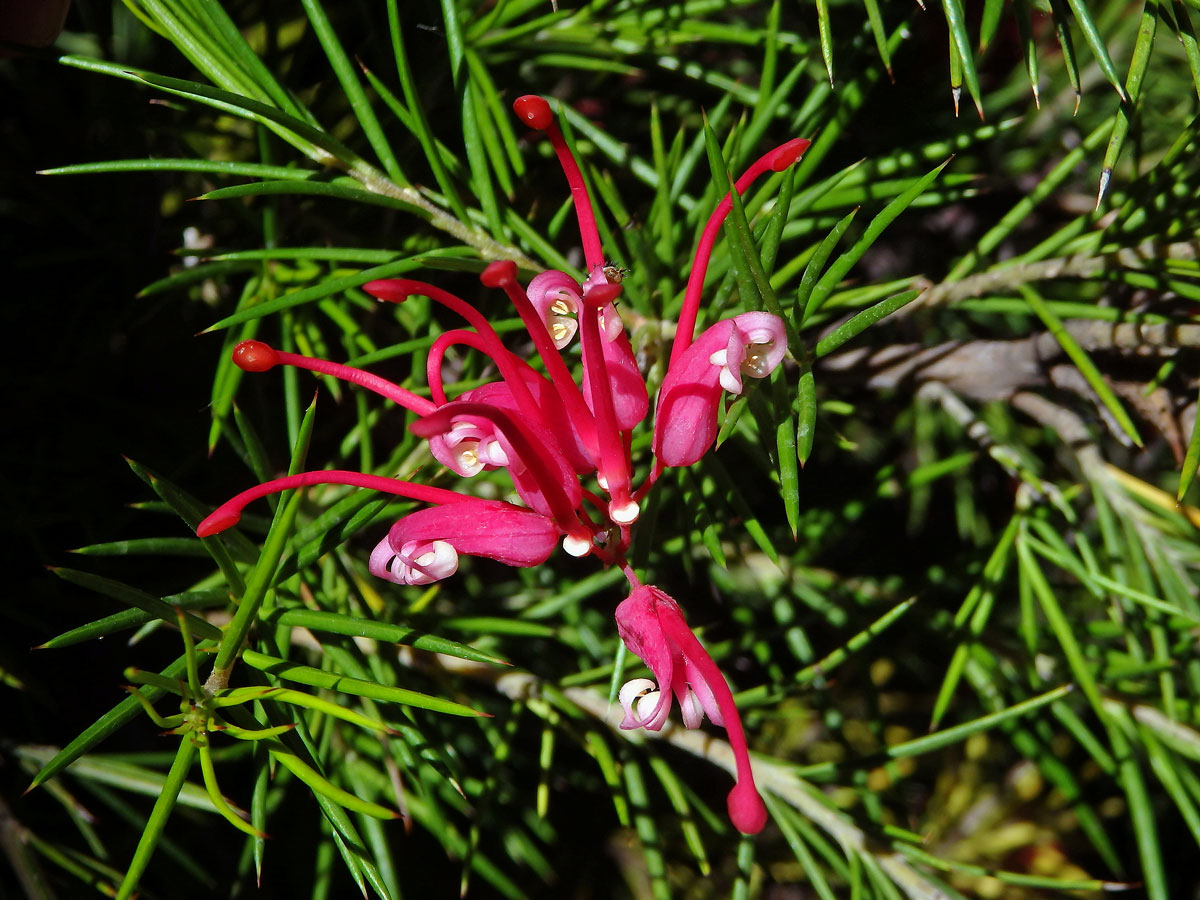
x,y
615,273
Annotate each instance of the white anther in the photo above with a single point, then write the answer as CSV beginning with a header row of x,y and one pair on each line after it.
x,y
728,379
562,329
560,320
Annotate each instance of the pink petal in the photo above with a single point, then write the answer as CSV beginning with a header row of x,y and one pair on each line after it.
x,y
544,290
704,693
764,339
640,629
685,426
746,808
562,429
630,400
419,562
541,473
752,343
490,528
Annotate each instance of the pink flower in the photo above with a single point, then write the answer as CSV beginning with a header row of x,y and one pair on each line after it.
x,y
423,546
652,627
753,344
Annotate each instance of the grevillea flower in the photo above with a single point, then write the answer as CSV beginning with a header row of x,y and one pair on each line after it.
x,y
565,444
652,626
753,343
424,546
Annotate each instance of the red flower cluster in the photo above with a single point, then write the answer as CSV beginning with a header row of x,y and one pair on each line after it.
x,y
557,438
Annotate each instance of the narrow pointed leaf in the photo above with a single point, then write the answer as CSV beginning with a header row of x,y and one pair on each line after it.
x,y
957,23
1082,361
132,596
812,271
163,806
290,760
208,166
1092,35
346,190
336,623
352,88
826,36
1133,91
882,220
860,322
1190,461
282,668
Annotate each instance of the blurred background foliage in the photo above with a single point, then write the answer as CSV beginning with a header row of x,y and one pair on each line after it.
x,y
964,630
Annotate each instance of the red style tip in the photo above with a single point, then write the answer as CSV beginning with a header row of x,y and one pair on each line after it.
x,y
394,290
786,154
254,356
499,273
534,111
215,524
600,295
747,811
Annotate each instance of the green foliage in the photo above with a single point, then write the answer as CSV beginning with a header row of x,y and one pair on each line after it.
x,y
946,553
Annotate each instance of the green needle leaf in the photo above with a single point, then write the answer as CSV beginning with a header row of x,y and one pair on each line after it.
x,y
163,806
336,623
1062,29
957,23
208,166
826,36
806,415
291,761
349,190
214,791
1082,361
1092,34
875,18
862,321
261,577
882,220
330,287
1133,90
816,263
281,668
1190,461
147,603
361,106
1028,47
